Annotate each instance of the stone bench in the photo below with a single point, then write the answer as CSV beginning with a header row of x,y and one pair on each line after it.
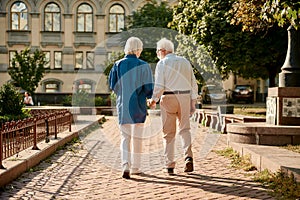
x,y
261,133
218,119
232,118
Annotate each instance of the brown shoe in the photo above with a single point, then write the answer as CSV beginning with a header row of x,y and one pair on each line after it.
x,y
189,165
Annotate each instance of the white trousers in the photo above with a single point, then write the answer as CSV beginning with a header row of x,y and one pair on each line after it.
x,y
131,152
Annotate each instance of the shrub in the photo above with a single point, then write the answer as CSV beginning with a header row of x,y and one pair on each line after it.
x,y
99,101
11,104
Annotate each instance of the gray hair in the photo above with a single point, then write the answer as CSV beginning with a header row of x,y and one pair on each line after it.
x,y
133,45
165,44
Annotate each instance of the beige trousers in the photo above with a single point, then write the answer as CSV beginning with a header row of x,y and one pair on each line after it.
x,y
173,108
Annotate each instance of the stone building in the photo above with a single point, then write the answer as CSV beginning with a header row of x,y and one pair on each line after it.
x,y
69,33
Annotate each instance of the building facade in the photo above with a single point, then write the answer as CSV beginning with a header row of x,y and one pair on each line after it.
x,y
70,33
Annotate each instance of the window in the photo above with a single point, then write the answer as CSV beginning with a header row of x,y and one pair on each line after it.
x,y
79,60
19,16
52,17
47,58
11,56
116,18
51,85
86,87
90,60
84,18
57,60
84,63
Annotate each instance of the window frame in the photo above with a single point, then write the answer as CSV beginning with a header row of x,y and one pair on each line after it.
x,y
75,57
58,83
26,27
85,18
11,55
48,66
55,59
52,17
116,15
92,62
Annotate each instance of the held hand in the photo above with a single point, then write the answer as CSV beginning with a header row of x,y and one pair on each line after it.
x,y
151,103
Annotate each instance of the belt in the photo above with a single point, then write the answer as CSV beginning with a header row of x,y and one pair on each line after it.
x,y
177,92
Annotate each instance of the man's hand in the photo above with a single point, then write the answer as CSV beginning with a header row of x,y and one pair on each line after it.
x,y
151,103
193,107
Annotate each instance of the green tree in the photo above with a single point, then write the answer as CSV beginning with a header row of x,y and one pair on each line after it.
x,y
27,69
256,15
152,14
284,12
244,53
111,61
11,104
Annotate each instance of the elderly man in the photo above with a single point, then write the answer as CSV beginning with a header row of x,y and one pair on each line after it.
x,y
131,80
176,88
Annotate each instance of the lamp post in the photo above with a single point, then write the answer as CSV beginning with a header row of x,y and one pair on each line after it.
x,y
284,101
290,71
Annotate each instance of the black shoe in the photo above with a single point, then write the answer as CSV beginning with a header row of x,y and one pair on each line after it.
x,y
126,174
189,165
170,171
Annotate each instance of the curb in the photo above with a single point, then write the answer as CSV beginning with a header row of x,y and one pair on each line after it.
x,y
271,158
27,159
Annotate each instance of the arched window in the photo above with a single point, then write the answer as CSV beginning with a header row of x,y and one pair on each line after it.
x,y
52,17
52,85
85,18
85,84
19,16
116,18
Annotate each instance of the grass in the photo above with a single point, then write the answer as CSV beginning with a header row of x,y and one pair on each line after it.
x,y
294,148
281,185
236,160
250,111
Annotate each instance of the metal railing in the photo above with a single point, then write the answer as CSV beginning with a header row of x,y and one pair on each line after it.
x,y
16,136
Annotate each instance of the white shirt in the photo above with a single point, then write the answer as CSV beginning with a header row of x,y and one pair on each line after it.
x,y
174,73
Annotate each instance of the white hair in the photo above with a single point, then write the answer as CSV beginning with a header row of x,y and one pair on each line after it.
x,y
165,44
133,45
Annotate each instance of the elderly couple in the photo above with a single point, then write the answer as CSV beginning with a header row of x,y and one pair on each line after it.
x,y
175,88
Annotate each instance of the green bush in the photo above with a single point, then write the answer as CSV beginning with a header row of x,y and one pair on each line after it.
x,y
99,101
79,98
67,100
11,104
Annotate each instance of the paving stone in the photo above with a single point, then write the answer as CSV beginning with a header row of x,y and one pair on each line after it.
x,y
91,170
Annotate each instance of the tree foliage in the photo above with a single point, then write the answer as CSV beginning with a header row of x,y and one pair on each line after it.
x,y
247,54
257,15
284,12
152,14
27,69
110,62
11,104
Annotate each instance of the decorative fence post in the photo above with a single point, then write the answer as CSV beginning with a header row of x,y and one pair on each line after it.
x,y
47,130
1,149
35,136
70,121
55,127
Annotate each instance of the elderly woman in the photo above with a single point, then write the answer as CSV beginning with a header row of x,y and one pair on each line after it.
x,y
131,80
